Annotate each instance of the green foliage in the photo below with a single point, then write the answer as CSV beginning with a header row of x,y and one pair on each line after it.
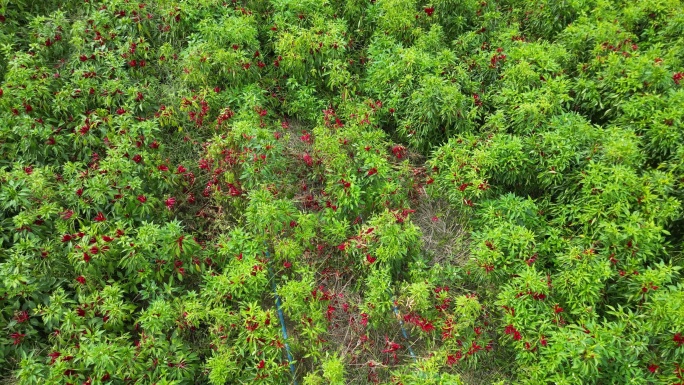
x,y
183,182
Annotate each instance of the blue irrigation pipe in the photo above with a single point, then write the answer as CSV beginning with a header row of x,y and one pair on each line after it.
x,y
281,318
404,333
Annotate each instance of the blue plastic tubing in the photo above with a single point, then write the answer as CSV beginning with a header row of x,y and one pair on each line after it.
x,y
281,318
404,333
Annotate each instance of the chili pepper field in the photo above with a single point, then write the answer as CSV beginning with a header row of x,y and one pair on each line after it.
x,y
341,192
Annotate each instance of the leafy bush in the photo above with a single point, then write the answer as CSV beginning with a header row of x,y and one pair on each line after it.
x,y
228,192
